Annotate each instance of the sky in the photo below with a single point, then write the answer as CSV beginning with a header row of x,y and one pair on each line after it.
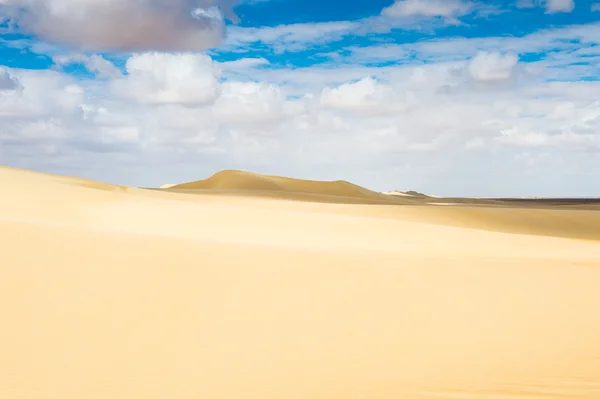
x,y
448,97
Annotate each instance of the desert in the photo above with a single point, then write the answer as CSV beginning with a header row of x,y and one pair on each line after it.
x,y
299,199
252,286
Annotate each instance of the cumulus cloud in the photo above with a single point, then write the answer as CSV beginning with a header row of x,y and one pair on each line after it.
x,y
492,66
244,103
367,96
40,94
167,78
428,8
104,25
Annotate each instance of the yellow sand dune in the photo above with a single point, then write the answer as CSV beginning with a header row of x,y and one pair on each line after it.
x,y
252,183
129,293
38,176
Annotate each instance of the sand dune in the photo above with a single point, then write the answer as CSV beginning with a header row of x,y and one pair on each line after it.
x,y
115,292
255,184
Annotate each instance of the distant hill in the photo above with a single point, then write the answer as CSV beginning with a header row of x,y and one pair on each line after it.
x,y
234,180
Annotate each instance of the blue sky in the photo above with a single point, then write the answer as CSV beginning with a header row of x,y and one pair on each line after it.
x,y
443,96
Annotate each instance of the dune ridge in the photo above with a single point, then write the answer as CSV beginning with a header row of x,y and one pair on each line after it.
x,y
133,293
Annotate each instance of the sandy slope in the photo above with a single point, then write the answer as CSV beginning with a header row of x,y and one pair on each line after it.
x,y
109,292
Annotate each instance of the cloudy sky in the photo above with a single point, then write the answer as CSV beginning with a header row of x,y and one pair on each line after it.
x,y
450,97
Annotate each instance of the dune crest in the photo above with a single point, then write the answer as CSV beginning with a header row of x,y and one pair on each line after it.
x,y
8,172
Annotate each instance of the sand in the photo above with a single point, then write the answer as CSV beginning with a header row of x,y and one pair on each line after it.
x,y
114,292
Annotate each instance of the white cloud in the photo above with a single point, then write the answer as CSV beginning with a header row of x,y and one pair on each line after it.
x,y
290,37
249,103
94,63
97,25
492,67
595,7
244,63
554,6
162,78
366,97
428,8
564,53
40,94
